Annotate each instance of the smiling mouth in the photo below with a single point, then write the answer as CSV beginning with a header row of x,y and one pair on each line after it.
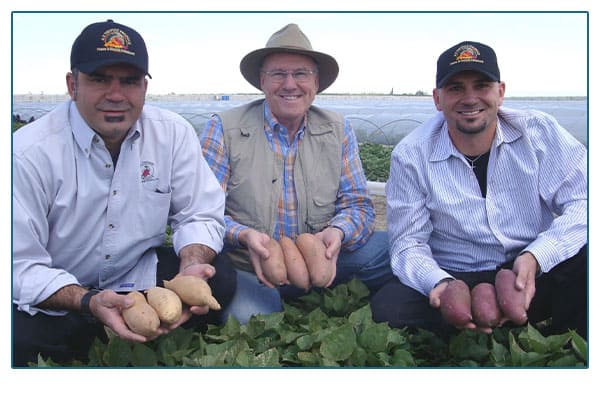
x,y
290,98
470,113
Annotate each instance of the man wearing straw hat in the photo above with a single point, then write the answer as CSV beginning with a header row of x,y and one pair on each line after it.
x,y
288,168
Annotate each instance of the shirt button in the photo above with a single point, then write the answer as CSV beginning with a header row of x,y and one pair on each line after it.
x,y
108,165
114,192
107,257
111,226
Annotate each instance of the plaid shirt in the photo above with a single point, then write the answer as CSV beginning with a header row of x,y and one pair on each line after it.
x,y
354,213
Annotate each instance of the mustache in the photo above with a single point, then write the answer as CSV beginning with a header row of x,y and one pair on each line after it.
x,y
114,107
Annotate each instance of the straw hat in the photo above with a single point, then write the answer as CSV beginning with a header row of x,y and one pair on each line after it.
x,y
289,39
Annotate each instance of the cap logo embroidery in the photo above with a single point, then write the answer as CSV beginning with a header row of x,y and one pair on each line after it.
x,y
116,40
466,53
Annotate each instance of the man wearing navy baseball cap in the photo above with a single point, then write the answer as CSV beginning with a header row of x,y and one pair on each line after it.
x,y
478,188
95,184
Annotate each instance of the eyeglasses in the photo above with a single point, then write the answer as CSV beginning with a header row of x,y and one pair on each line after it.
x,y
299,75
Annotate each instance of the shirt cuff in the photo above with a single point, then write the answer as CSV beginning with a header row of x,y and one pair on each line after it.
x,y
343,226
233,230
433,279
210,235
547,255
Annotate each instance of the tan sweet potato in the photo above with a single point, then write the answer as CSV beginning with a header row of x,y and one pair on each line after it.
x,y
484,305
193,291
273,267
166,303
511,300
320,269
141,318
297,272
455,303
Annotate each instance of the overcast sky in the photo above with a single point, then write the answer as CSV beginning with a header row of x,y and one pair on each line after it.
x,y
199,52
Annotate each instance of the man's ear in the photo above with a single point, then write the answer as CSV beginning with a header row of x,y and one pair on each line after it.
x,y
71,80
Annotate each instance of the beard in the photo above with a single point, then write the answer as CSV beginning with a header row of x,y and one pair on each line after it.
x,y
119,118
469,129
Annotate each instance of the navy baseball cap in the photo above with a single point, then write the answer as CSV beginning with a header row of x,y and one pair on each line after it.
x,y
107,43
467,56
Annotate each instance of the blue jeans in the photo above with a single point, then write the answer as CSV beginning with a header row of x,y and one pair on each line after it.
x,y
370,264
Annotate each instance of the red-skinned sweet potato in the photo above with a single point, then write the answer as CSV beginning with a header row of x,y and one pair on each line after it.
x,y
455,303
510,299
297,272
484,305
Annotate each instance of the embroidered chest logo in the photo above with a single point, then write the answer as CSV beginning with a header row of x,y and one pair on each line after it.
x,y
116,40
147,171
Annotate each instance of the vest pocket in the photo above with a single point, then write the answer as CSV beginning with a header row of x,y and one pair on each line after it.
x,y
321,212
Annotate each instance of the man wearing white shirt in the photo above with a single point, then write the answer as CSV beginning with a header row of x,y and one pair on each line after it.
x,y
481,187
96,182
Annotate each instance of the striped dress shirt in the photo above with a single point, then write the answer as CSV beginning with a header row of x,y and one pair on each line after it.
x,y
354,212
536,200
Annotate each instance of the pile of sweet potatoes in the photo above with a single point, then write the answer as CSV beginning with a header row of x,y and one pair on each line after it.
x,y
164,304
487,305
301,263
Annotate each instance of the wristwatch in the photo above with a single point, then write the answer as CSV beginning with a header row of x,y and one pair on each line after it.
x,y
84,306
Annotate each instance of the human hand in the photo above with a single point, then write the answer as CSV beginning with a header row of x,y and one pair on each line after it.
x,y
332,239
108,305
256,241
526,267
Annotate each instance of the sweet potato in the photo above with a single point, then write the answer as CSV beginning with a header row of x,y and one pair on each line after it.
x,y
166,303
510,299
193,291
273,267
455,303
320,269
141,318
297,272
484,305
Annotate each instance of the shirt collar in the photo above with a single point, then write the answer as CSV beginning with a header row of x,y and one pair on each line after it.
x,y
443,147
510,126
82,133
272,125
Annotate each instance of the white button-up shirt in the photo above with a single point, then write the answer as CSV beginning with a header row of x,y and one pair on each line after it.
x,y
536,200
79,219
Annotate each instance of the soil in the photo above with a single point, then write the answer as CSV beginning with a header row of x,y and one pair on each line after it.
x,y
379,204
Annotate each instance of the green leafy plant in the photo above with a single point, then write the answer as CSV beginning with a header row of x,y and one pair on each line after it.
x,y
376,161
334,328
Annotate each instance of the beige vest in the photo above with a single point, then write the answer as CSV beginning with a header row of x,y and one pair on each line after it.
x,y
255,185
